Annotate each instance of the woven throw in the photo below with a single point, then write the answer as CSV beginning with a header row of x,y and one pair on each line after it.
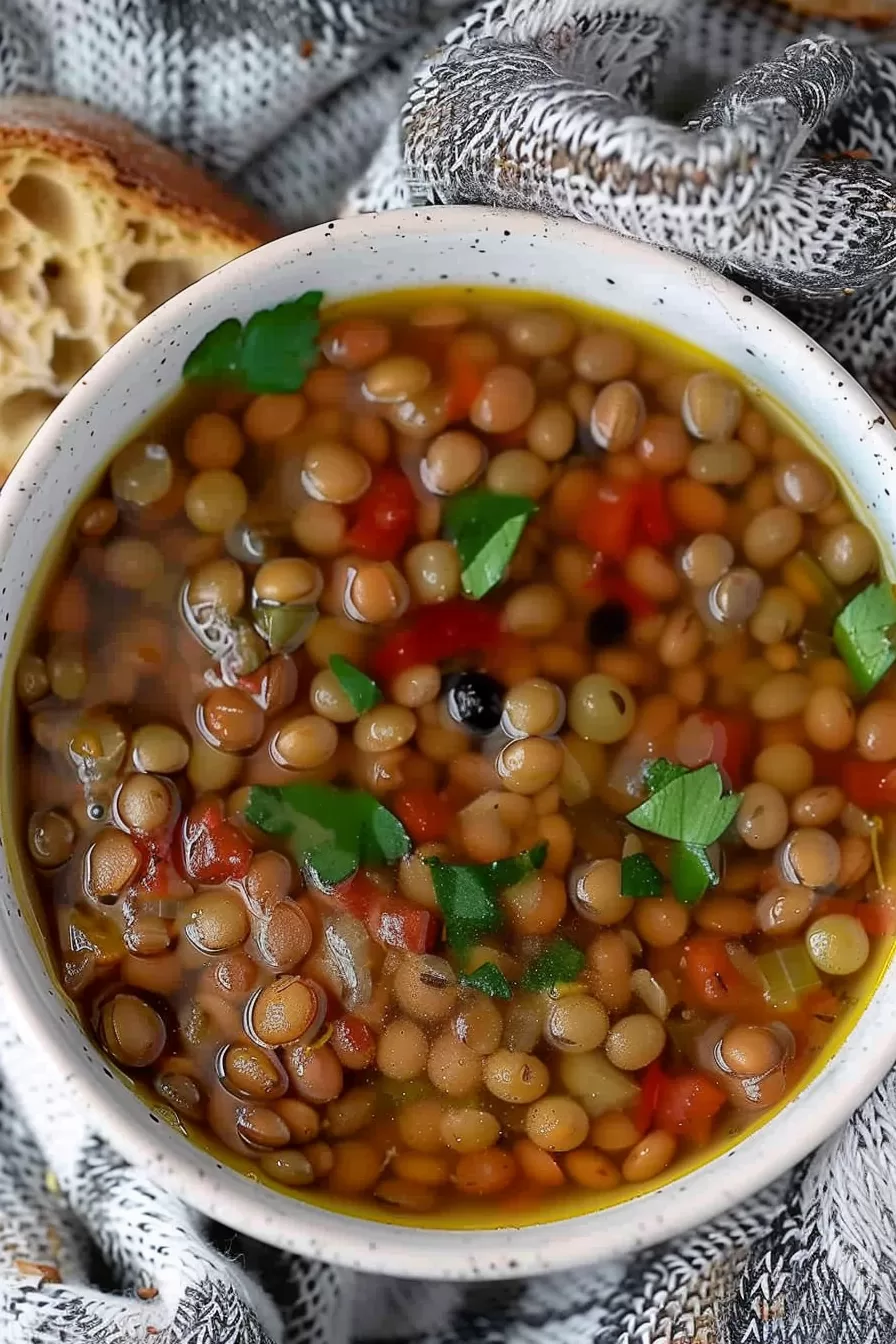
x,y
733,131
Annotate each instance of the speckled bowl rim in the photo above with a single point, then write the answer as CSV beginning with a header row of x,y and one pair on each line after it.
x,y
499,247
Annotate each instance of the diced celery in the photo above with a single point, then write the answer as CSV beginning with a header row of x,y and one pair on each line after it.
x,y
805,576
788,973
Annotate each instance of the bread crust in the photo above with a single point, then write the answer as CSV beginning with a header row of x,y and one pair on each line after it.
x,y
120,159
98,225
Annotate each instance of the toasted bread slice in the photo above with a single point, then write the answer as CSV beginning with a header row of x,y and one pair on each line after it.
x,y
98,225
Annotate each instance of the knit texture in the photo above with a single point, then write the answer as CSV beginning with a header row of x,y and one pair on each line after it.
x,y
608,110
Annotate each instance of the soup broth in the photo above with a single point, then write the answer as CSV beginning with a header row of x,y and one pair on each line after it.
x,y
467,777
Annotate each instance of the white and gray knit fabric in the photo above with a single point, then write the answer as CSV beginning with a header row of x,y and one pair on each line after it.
x,y
613,111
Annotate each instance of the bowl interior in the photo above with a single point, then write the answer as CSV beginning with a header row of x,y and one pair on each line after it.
x,y
639,286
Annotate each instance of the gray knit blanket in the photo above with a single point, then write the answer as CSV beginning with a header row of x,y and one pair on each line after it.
x,y
728,129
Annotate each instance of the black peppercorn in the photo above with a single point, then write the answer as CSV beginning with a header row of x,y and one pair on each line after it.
x,y
608,624
475,700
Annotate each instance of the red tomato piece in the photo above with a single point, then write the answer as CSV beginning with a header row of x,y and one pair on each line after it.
x,y
353,1041
212,850
878,921
713,980
466,379
395,922
607,523
401,650
869,784
390,920
425,815
155,870
651,1084
654,517
438,632
358,896
732,743
273,685
687,1104
385,516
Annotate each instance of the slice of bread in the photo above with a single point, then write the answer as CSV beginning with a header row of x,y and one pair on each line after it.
x,y
98,225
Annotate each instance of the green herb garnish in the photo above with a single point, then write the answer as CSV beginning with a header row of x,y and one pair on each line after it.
x,y
507,872
691,873
640,876
488,979
486,528
332,832
468,894
692,806
863,634
689,806
274,352
468,899
561,961
361,691
661,772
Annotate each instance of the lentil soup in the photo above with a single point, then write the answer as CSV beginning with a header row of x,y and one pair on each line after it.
x,y
460,771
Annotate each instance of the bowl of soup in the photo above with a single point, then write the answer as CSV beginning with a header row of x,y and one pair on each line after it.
x,y
451,770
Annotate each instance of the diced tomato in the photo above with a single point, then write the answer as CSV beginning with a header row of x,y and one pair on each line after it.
x,y
211,850
353,1041
426,816
436,633
878,921
385,516
869,784
651,1084
465,381
158,876
390,920
732,743
687,1104
394,922
654,517
274,685
402,649
607,524
357,896
618,514
712,979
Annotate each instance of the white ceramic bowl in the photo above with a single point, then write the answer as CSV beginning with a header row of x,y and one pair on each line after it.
x,y
355,257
